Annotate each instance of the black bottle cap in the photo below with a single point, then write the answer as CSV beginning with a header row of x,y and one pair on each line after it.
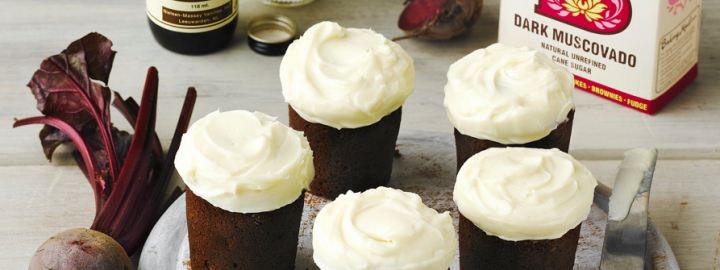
x,y
271,34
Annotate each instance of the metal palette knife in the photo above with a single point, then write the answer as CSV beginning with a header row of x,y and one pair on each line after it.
x,y
625,245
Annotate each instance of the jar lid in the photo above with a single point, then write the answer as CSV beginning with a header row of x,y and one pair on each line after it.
x,y
287,3
271,34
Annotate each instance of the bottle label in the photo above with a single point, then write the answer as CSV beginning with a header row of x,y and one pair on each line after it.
x,y
191,16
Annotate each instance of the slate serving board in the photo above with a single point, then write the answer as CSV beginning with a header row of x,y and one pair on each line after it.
x,y
425,165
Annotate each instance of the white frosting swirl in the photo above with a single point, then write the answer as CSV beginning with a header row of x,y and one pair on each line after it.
x,y
507,95
345,77
382,229
244,162
524,193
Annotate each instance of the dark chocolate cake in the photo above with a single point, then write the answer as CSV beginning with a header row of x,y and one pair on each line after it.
x,y
227,240
559,138
350,159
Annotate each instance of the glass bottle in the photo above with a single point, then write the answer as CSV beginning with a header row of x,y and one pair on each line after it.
x,y
192,26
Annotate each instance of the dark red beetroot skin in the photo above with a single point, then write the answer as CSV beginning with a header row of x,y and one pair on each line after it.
x,y
80,249
438,19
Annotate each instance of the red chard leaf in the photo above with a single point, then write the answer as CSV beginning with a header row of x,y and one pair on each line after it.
x,y
66,87
51,138
98,55
122,143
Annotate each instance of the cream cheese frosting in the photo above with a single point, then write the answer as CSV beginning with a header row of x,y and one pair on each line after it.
x,y
382,229
244,162
524,193
345,77
507,95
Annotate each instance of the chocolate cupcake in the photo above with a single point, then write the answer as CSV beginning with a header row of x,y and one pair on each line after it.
x,y
345,88
504,96
521,208
245,174
382,228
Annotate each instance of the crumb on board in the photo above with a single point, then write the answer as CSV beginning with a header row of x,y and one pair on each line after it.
x,y
674,225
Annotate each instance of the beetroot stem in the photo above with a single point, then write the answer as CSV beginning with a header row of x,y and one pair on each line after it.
x,y
169,166
123,212
103,129
80,146
129,109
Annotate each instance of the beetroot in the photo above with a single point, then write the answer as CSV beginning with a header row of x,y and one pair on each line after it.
x,y
80,249
438,19
129,174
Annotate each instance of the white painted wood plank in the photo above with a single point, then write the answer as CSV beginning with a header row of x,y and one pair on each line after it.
x,y
39,200
238,78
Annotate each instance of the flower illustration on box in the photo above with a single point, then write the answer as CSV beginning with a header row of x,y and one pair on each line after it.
x,y
598,16
676,6
591,9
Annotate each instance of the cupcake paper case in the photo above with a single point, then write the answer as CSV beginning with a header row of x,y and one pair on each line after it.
x,y
521,206
245,174
345,88
503,96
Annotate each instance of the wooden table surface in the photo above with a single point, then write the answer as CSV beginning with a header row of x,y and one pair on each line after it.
x,y
38,199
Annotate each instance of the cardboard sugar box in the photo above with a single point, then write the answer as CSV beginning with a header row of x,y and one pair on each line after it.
x,y
638,53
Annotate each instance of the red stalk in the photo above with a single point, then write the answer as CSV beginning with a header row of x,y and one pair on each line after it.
x,y
79,142
104,130
129,109
118,210
180,129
